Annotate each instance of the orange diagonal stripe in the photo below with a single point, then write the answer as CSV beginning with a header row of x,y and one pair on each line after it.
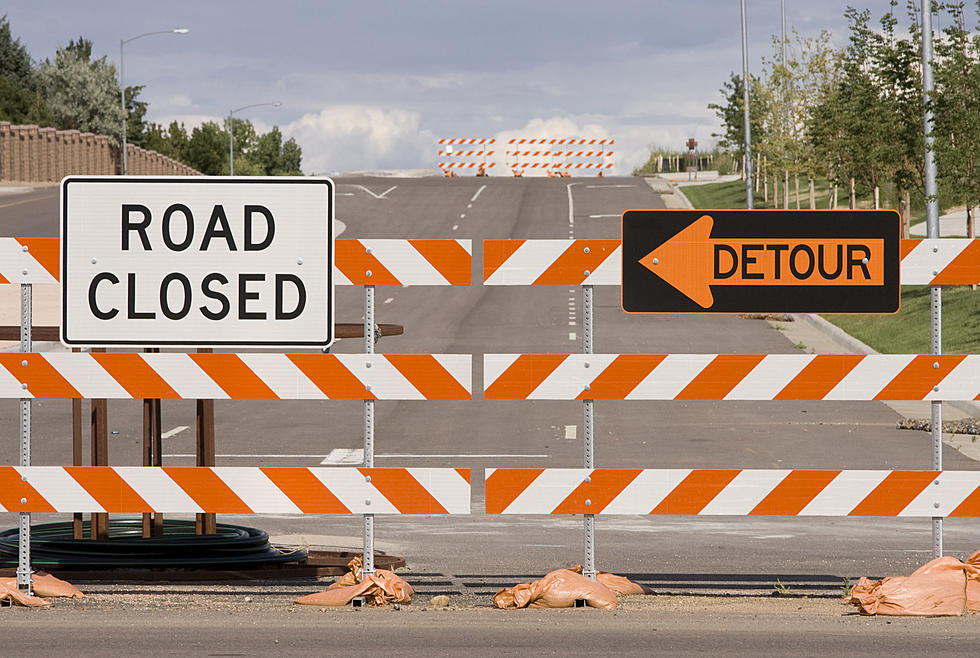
x,y
234,377
207,489
464,473
907,246
795,492
351,258
403,491
449,257
504,485
135,375
570,267
496,253
894,494
305,490
605,484
695,491
919,377
621,376
522,376
13,489
108,489
719,377
819,376
331,376
970,505
42,380
429,376
964,269
46,251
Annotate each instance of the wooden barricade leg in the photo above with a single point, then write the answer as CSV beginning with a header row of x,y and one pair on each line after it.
x,y
76,456
100,457
152,523
206,523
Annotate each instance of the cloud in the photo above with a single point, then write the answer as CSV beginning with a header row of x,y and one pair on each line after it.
x,y
356,137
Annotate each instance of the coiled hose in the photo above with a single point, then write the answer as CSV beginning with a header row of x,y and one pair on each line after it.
x,y
53,546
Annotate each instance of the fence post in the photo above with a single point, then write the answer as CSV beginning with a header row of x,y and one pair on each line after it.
x,y
24,563
367,568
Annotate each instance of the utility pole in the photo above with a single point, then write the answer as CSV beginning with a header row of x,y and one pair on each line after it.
x,y
748,127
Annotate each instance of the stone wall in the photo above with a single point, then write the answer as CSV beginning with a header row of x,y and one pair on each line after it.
x,y
31,154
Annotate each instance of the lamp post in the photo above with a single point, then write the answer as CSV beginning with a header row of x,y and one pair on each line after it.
x,y
231,131
122,83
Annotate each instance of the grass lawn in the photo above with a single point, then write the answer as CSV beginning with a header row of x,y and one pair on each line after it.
x,y
906,332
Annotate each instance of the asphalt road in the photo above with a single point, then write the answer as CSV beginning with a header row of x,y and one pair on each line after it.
x,y
677,552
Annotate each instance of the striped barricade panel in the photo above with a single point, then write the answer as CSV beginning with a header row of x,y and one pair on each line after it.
x,y
937,262
735,492
466,165
580,142
731,377
271,376
234,490
467,140
356,262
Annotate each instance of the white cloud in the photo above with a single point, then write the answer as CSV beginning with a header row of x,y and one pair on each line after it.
x,y
355,137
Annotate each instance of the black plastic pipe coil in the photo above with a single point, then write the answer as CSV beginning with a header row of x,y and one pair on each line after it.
x,y
53,546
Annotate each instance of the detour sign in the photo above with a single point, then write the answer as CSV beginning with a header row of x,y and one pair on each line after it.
x,y
751,261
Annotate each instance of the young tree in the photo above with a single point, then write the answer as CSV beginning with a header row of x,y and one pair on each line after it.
x,y
15,62
731,114
207,149
82,94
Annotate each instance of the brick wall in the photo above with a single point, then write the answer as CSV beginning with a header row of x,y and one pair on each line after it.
x,y
31,154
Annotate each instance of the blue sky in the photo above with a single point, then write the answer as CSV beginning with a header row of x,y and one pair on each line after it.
x,y
371,84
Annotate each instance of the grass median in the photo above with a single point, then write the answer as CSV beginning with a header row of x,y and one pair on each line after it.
x,y
905,332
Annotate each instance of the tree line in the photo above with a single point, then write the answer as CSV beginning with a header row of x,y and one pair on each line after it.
x,y
853,116
77,92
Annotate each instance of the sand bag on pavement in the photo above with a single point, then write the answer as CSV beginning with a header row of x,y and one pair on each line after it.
x,y
558,589
937,588
10,591
382,588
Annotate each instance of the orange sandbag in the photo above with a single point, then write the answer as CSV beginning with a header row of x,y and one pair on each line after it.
x,y
382,588
9,590
558,589
973,582
937,588
47,586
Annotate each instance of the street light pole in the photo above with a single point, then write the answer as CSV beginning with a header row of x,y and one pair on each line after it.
x,y
231,131
749,201
122,84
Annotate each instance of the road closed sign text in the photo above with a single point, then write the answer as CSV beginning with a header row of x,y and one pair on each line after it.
x,y
197,262
745,261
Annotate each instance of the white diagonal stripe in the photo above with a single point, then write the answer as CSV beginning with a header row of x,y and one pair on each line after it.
x,y
744,492
10,387
494,366
872,373
962,382
256,490
447,486
646,491
571,377
404,262
547,491
158,489
351,489
384,379
918,266
60,489
671,376
339,278
953,489
459,366
14,260
844,493
609,272
86,375
184,376
528,262
769,377
282,375
467,244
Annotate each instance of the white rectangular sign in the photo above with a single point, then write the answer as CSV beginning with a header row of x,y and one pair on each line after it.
x,y
197,261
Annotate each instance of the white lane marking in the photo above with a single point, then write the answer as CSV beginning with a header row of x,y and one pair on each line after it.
x,y
598,216
572,335
359,451
595,186
376,196
462,215
455,227
469,205
339,456
345,194
571,431
415,456
174,432
482,187
389,300
191,454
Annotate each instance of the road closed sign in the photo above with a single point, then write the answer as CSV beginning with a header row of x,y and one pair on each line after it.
x,y
761,261
197,262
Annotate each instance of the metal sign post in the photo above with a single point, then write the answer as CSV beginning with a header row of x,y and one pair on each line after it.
x,y
367,569
588,432
24,563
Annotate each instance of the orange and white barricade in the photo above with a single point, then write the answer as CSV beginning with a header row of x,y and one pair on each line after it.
x,y
467,154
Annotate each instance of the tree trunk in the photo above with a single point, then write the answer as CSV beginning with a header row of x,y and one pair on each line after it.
x,y
833,197
851,199
775,192
906,210
971,230
877,198
742,176
813,194
765,190
796,183
785,189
